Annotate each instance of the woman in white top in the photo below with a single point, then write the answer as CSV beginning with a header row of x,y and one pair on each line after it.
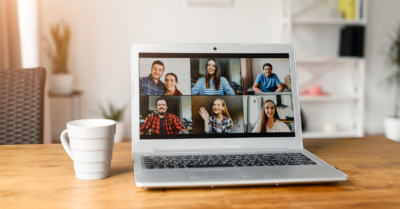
x,y
269,120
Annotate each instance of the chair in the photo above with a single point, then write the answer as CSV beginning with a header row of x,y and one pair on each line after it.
x,y
22,106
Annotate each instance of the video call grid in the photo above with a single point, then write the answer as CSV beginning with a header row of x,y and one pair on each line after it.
x,y
193,133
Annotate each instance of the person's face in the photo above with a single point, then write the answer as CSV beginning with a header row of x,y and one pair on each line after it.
x,y
157,71
217,107
267,71
162,107
211,67
170,82
270,109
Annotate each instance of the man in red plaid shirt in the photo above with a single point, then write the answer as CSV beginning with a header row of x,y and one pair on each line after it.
x,y
163,123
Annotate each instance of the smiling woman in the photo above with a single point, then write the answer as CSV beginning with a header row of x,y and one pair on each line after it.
x,y
213,83
218,123
269,120
171,80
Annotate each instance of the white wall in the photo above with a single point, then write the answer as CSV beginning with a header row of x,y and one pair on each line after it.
x,y
382,17
152,102
103,30
202,64
239,127
186,107
234,69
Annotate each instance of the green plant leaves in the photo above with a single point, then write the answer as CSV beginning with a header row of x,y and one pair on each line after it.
x,y
112,113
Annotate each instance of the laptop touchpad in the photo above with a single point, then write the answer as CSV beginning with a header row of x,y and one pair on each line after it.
x,y
215,174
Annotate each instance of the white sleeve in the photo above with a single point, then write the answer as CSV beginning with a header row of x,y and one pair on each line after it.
x,y
283,127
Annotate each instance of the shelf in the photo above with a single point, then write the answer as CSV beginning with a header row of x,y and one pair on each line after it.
x,y
333,21
318,59
327,98
315,28
340,134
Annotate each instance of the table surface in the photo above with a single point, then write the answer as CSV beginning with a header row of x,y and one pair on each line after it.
x,y
42,176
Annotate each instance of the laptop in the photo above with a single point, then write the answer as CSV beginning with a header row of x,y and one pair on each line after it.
x,y
218,115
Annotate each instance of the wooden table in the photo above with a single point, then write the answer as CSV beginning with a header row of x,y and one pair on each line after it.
x,y
42,176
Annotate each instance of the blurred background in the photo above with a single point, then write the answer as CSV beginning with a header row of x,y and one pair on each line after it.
x,y
341,75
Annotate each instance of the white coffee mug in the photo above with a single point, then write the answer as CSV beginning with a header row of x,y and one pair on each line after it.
x,y
91,143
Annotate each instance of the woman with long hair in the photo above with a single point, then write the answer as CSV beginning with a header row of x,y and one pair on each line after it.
x,y
220,122
171,80
269,120
213,83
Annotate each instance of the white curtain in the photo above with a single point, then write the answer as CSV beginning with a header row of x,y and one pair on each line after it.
x,y
10,48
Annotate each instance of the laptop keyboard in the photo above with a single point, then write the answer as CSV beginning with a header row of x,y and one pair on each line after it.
x,y
232,160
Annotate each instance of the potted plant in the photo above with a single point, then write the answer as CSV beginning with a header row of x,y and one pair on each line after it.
x,y
61,81
392,123
116,114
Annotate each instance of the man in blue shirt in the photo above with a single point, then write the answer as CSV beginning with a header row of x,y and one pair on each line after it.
x,y
267,81
151,85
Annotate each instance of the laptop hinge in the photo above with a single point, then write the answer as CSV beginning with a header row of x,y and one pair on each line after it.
x,y
218,149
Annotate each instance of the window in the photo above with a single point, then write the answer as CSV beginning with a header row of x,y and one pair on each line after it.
x,y
28,28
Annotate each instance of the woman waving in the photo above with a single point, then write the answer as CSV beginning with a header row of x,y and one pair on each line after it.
x,y
220,122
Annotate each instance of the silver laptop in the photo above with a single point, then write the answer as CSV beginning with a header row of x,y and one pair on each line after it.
x,y
216,115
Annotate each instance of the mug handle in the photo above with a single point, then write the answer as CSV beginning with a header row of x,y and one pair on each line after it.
x,y
65,144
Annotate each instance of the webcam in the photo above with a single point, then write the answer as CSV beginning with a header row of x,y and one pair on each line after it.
x,y
215,48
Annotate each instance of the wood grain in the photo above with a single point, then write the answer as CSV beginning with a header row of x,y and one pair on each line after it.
x,y
42,176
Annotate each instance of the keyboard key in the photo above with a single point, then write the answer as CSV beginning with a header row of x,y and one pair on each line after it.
x,y
294,163
239,160
170,165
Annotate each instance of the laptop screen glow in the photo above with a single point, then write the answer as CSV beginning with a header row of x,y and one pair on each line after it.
x,y
191,96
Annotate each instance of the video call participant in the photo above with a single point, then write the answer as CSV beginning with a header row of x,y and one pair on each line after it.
x,y
269,121
220,122
267,81
164,122
170,85
213,83
151,85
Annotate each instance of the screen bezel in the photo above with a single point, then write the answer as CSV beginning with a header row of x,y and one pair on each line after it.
x,y
250,142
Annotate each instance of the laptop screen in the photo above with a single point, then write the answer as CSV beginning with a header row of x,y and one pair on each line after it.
x,y
199,95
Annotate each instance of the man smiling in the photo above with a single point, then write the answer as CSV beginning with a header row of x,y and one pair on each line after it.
x,y
152,85
267,81
164,122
